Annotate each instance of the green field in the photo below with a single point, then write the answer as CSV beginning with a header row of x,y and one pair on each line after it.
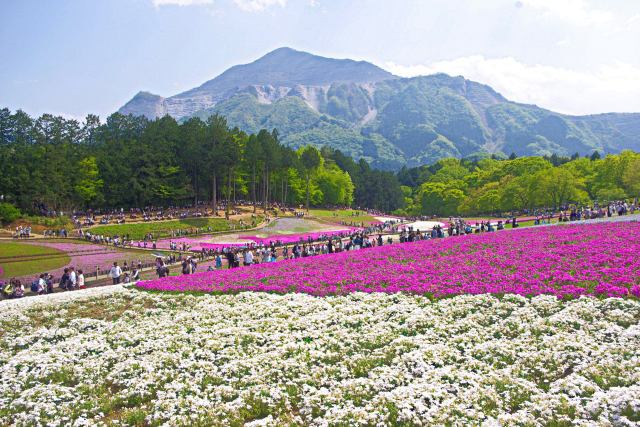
x,y
17,259
161,229
342,215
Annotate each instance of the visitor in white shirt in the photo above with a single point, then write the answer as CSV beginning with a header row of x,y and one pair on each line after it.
x,y
115,273
73,277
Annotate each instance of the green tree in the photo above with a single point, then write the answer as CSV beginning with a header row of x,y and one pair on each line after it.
x,y
270,159
193,155
310,160
253,154
611,194
88,183
228,157
558,186
335,185
217,132
516,192
431,197
631,177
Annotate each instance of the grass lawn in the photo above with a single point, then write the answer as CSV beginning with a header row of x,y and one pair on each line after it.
x,y
18,259
485,218
160,229
341,215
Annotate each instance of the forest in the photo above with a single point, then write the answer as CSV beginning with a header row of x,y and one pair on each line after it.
x,y
491,184
53,163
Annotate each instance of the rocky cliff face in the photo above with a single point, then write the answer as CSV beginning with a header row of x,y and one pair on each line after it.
x,y
145,104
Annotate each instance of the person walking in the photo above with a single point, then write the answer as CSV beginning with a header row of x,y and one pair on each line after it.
x,y
115,273
186,266
64,279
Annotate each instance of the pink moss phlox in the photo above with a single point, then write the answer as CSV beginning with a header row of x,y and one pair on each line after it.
x,y
566,261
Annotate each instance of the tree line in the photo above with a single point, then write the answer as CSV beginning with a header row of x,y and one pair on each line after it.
x,y
452,187
54,163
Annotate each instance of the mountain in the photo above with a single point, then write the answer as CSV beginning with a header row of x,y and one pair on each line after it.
x,y
369,113
282,72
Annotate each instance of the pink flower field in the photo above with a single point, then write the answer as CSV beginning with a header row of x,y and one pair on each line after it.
x,y
199,243
86,256
566,260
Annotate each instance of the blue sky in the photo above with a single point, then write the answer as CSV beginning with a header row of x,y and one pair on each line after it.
x,y
74,57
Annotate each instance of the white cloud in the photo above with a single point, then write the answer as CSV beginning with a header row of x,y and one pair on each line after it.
x,y
258,5
613,87
575,12
181,2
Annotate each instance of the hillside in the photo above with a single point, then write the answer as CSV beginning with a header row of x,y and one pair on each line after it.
x,y
367,112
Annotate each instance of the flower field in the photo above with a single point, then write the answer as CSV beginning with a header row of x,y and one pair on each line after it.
x,y
284,230
113,355
566,260
87,256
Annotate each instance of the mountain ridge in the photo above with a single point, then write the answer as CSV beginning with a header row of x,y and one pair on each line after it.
x,y
388,120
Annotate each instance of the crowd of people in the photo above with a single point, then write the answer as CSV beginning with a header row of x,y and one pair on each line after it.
x,y
70,280
151,213
58,232
22,232
592,212
256,254
188,263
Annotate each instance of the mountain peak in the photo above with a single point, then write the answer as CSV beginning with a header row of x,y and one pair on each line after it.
x,y
144,103
283,51
287,67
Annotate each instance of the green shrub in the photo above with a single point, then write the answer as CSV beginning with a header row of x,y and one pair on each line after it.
x,y
9,213
59,221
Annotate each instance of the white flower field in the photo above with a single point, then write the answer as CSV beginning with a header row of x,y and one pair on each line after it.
x,y
115,355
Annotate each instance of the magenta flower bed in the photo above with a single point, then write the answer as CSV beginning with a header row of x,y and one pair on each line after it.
x,y
567,261
294,238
